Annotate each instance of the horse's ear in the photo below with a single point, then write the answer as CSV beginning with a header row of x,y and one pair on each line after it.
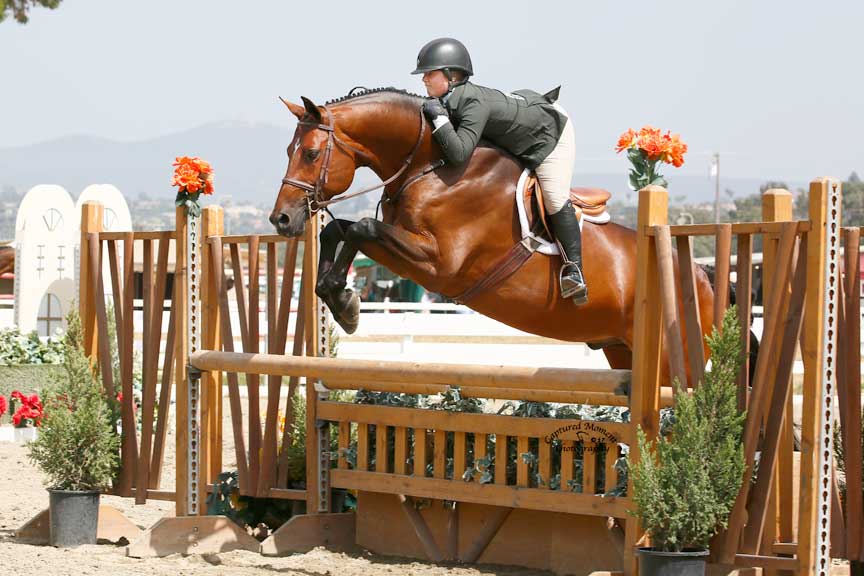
x,y
312,109
295,109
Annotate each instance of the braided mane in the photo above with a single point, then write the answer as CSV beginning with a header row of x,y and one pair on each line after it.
x,y
360,91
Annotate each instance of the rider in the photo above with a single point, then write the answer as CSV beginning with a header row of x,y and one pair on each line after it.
x,y
531,126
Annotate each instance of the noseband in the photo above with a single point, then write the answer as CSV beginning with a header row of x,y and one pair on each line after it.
x,y
314,200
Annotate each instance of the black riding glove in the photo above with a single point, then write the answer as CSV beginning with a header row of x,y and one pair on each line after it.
x,y
433,108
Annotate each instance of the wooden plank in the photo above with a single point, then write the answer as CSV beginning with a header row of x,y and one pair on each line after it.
x,y
253,380
344,442
521,466
439,455
421,529
647,341
420,456
501,459
192,535
148,374
462,422
487,533
299,344
782,388
743,288
267,479
116,291
459,454
477,375
139,235
850,406
221,288
671,323
722,256
304,532
212,400
400,450
91,222
589,470
362,447
240,294
491,494
318,496
381,453
164,402
262,238
690,305
812,354
759,395
181,358
126,343
767,562
737,228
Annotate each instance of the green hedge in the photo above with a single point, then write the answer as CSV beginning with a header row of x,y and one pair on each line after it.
x,y
27,378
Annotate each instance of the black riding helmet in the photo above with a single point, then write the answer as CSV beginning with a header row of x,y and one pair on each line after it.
x,y
444,54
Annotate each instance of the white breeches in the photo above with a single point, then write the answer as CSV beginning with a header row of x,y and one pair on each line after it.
x,y
556,172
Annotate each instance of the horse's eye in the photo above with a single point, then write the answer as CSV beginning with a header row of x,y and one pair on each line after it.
x,y
311,155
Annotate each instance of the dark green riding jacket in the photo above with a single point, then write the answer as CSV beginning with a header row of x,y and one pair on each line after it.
x,y
523,123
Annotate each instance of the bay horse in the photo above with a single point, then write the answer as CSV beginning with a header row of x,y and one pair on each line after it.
x,y
446,227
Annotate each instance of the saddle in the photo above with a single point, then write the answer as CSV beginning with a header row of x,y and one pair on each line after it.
x,y
589,203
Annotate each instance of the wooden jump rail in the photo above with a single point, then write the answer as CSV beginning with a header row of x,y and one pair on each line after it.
x,y
408,454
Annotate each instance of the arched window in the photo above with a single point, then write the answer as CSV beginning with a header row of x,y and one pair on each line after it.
x,y
50,315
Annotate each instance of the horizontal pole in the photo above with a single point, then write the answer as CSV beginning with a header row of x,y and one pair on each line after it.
x,y
163,235
767,562
568,379
244,239
737,228
163,495
491,494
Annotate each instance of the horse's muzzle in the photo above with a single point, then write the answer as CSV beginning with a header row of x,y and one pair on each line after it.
x,y
289,223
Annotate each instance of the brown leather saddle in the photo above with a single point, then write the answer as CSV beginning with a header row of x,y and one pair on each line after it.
x,y
587,201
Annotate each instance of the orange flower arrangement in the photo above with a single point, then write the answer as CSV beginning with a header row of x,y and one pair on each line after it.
x,y
193,177
645,149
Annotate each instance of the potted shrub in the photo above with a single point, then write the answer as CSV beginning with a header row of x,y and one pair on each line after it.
x,y
77,447
684,486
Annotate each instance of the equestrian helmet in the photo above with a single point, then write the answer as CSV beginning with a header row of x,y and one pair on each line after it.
x,y
444,53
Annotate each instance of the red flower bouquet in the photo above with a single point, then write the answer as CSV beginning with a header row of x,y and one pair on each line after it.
x,y
29,413
645,149
193,177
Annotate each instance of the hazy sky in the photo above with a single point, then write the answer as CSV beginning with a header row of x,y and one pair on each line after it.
x,y
775,86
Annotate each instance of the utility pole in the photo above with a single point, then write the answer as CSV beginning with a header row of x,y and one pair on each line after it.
x,y
715,171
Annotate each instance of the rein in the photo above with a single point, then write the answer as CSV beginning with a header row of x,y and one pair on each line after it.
x,y
314,200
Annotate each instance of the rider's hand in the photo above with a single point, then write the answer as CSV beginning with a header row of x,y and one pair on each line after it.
x,y
435,112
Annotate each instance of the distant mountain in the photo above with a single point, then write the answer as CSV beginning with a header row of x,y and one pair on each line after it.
x,y
249,161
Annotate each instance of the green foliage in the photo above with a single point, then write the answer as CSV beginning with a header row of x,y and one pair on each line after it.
x,y
686,486
77,446
18,8
17,348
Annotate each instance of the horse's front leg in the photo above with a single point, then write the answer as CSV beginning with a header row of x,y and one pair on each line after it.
x,y
331,237
395,248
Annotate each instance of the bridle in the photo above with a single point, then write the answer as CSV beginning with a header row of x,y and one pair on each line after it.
x,y
314,200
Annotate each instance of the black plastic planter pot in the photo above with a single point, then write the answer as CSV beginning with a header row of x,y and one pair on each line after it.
x,y
658,563
856,568
74,517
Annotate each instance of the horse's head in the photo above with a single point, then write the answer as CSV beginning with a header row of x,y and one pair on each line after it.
x,y
320,166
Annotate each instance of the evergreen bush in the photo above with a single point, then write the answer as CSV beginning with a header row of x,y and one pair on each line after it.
x,y
684,486
76,447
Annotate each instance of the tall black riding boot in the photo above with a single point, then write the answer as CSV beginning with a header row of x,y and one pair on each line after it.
x,y
565,226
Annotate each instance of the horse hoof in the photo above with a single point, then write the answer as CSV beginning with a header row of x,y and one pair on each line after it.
x,y
349,313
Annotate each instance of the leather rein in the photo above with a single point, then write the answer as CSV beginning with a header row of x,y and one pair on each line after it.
x,y
314,200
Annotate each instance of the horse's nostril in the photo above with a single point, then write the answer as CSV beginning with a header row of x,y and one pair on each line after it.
x,y
279,219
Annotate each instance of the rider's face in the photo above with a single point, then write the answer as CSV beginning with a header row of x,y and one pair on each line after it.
x,y
436,83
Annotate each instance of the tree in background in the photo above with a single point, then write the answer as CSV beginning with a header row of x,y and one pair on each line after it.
x,y
19,8
853,202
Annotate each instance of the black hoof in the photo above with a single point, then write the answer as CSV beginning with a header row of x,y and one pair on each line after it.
x,y
348,312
